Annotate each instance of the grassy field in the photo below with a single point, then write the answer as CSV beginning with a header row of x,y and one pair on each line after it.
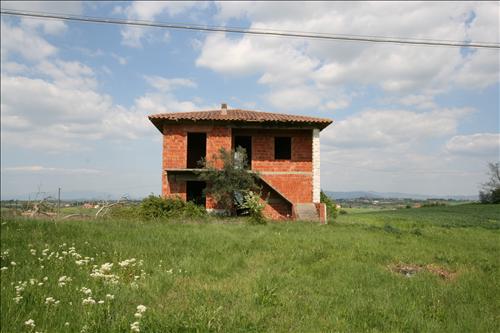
x,y
92,276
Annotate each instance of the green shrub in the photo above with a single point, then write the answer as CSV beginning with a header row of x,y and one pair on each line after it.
x,y
331,207
125,212
156,207
231,179
343,212
255,206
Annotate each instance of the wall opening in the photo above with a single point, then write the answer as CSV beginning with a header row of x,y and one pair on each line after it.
x,y
245,142
195,192
282,148
196,149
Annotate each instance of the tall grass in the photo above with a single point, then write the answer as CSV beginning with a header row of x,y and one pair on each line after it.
x,y
235,277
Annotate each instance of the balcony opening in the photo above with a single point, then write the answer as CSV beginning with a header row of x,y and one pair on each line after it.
x,y
244,142
195,192
196,149
282,148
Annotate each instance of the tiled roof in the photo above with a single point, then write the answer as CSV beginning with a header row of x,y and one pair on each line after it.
x,y
237,115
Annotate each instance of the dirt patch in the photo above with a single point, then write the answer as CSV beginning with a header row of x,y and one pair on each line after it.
x,y
410,270
441,272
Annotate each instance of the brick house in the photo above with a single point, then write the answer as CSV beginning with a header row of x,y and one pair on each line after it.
x,y
283,149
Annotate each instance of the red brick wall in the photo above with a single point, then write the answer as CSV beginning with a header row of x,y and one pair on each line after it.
x,y
278,211
175,153
296,187
263,150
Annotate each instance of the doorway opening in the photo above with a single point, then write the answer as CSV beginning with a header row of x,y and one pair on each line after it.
x,y
195,192
245,142
196,149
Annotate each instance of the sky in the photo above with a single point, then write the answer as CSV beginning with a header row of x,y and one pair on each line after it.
x,y
414,119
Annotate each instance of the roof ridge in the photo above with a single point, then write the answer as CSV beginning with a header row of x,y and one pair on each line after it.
x,y
163,114
239,115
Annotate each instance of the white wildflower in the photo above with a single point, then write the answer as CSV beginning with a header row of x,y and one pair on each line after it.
x,y
100,302
138,315
33,252
13,263
30,322
141,308
40,284
66,324
106,267
21,286
51,300
4,268
127,262
88,300
86,291
109,296
81,262
18,299
134,327
63,280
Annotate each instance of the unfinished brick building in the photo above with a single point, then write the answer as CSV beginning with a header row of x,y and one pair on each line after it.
x,y
283,149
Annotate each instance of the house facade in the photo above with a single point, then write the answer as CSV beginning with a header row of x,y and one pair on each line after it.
x,y
283,149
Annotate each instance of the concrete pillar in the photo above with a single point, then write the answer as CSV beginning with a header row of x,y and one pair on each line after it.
x,y
316,166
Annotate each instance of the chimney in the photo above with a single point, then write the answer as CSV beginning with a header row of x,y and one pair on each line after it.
x,y
223,108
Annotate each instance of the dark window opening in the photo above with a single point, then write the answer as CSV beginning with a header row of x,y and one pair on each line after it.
x,y
195,192
196,149
282,148
244,142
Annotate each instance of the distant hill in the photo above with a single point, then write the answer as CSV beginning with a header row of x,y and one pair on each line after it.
x,y
395,195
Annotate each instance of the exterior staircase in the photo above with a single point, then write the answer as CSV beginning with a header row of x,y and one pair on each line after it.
x,y
306,211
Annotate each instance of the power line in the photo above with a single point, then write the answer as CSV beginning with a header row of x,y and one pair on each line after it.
x,y
261,32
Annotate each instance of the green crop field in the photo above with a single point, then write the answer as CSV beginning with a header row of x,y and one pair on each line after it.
x,y
430,269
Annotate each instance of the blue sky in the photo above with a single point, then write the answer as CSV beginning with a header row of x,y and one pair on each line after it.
x,y
412,119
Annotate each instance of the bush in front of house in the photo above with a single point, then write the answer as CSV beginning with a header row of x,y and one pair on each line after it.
x,y
156,207
255,207
331,207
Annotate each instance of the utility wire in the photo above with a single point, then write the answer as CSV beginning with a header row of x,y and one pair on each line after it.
x,y
261,32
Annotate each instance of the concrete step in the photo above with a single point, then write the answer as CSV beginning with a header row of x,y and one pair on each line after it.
x,y
306,211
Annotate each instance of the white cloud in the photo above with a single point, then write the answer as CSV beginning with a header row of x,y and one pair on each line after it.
x,y
294,98
61,116
69,74
475,144
42,169
63,7
16,40
52,27
392,128
336,104
279,61
121,60
148,11
419,101
326,65
165,84
64,114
